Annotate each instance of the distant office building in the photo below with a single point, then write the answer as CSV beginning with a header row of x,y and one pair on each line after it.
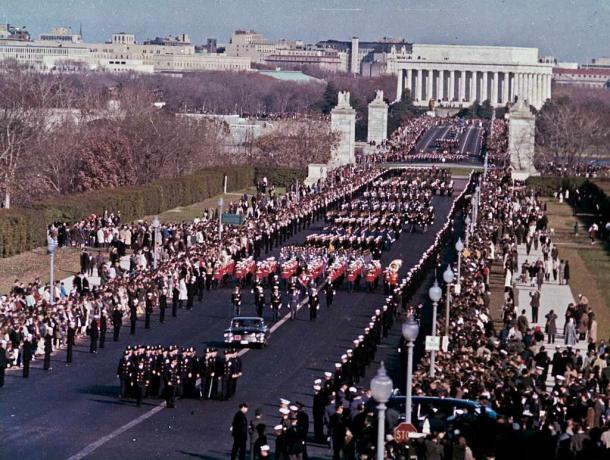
x,y
121,54
330,60
368,57
247,43
44,56
178,40
592,77
598,63
61,34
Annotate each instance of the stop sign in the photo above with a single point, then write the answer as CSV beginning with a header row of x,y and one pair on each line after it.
x,y
401,432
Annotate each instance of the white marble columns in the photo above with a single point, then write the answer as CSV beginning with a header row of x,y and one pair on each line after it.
x,y
459,85
462,94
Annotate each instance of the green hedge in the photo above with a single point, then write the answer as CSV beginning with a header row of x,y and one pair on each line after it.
x,y
280,177
22,229
547,185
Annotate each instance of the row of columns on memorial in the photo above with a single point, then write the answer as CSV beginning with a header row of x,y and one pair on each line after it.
x,y
468,86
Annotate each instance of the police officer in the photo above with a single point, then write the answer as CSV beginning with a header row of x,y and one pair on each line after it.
x,y
276,302
314,304
236,301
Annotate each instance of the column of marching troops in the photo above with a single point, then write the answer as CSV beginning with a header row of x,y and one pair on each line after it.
x,y
336,389
171,372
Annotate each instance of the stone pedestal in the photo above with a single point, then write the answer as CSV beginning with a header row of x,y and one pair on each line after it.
x,y
522,139
315,172
343,121
378,119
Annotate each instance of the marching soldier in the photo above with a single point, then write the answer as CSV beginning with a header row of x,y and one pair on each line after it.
x,y
133,315
236,301
314,304
117,322
140,382
207,372
294,303
162,304
259,298
148,310
103,328
94,333
276,302
236,373
329,290
227,375
171,380
71,336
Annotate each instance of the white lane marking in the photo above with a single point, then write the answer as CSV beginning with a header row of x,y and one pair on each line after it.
x,y
103,440
465,138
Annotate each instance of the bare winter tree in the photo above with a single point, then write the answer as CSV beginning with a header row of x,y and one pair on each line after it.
x,y
566,132
295,145
26,96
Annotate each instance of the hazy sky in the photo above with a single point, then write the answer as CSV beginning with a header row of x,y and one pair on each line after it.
x,y
576,30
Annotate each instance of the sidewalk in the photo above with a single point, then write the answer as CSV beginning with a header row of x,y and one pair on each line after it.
x,y
553,297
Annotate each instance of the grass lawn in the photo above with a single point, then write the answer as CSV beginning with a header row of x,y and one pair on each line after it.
x,y
30,265
589,264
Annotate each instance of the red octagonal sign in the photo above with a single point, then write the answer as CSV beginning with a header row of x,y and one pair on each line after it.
x,y
401,432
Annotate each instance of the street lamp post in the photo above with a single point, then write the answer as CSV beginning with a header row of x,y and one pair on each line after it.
x,y
467,222
381,389
448,278
435,293
459,247
221,203
51,247
155,225
410,329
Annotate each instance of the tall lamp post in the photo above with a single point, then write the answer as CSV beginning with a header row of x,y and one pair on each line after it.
x,y
459,247
51,247
410,329
381,389
155,225
221,203
448,278
467,222
435,293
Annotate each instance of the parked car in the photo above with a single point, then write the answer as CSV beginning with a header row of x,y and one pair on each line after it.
x,y
247,330
442,411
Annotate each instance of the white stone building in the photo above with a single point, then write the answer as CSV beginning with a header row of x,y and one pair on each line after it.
x,y
457,75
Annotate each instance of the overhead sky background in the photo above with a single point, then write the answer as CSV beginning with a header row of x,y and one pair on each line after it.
x,y
570,30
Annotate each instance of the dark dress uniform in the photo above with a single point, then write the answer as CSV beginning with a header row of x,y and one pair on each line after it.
x,y
276,303
140,382
207,372
103,329
236,301
162,305
329,290
27,354
71,335
117,322
48,348
94,334
133,317
314,304
239,431
171,380
148,311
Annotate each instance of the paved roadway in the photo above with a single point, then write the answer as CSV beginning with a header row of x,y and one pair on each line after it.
x,y
74,412
470,140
